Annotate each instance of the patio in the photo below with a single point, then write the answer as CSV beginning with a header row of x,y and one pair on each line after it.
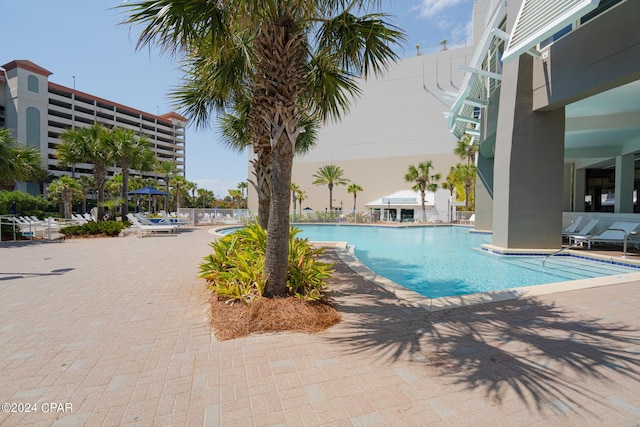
x,y
117,329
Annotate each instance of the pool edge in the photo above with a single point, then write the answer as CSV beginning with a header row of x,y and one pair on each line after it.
x,y
445,303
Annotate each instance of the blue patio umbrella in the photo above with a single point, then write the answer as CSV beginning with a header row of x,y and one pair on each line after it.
x,y
149,191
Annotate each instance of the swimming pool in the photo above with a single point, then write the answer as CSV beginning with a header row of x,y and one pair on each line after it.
x,y
446,261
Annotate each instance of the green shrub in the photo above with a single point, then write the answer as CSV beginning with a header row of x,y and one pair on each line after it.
x,y
104,228
235,268
25,203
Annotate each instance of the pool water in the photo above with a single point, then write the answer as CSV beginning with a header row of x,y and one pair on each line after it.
x,y
446,261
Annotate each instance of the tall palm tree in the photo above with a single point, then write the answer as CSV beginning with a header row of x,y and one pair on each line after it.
x,y
130,152
450,184
17,162
292,57
294,195
466,176
330,175
466,150
166,169
88,145
180,187
237,134
423,179
87,185
302,195
355,189
65,189
242,186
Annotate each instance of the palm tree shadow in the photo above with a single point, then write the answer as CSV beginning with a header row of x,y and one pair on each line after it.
x,y
525,349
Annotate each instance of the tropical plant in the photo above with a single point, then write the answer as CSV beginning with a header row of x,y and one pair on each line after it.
x,y
242,186
330,175
130,152
302,195
236,196
104,228
111,207
355,189
206,197
17,162
237,134
88,184
466,150
180,188
465,175
235,269
166,169
64,190
294,195
423,179
25,203
88,145
289,59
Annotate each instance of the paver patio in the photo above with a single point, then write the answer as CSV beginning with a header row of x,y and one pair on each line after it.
x,y
116,330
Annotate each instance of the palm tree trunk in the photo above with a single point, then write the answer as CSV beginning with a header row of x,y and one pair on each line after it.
x,y
354,202
424,208
125,197
330,198
276,263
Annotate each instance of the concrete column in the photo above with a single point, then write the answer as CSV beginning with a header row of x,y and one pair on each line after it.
x,y
579,189
625,175
484,200
529,163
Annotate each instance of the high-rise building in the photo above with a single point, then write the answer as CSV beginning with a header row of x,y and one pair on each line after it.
x,y
37,111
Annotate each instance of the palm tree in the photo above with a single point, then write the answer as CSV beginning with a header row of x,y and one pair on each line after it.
x,y
423,181
235,195
88,145
65,189
87,185
294,195
242,186
130,152
166,169
354,188
330,175
237,135
292,57
466,150
450,184
180,186
17,162
466,176
302,195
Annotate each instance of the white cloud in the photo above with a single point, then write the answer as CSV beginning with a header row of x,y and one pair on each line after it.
x,y
428,8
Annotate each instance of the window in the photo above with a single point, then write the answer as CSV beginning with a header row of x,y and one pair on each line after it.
x,y
33,84
33,127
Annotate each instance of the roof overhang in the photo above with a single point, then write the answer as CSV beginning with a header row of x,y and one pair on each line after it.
x,y
538,20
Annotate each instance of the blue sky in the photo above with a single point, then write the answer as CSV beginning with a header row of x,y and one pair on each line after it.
x,y
83,38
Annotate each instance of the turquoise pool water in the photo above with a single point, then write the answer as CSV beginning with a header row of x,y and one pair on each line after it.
x,y
446,261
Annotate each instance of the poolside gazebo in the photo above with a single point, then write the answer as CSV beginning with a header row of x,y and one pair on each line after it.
x,y
404,206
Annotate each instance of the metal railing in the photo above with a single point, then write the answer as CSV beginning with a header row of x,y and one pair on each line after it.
x,y
214,216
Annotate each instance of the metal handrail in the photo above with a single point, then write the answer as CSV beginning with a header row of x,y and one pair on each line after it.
x,y
589,238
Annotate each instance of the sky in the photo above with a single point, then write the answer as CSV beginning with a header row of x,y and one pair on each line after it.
x,y
83,43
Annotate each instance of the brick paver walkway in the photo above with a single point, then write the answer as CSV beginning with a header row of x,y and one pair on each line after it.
x,y
114,332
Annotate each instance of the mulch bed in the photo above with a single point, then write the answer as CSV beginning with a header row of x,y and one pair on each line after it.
x,y
235,320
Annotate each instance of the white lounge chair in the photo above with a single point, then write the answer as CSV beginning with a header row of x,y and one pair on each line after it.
x,y
172,221
573,227
615,233
584,232
145,229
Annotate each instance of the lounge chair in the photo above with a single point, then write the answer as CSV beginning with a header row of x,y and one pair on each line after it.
x,y
584,232
615,233
144,229
172,221
573,227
